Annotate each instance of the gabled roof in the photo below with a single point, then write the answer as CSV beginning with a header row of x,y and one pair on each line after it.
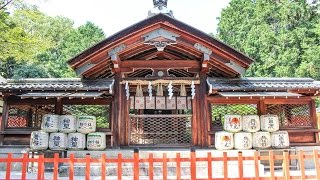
x,y
262,84
96,57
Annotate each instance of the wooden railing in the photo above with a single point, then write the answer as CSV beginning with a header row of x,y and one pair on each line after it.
x,y
177,161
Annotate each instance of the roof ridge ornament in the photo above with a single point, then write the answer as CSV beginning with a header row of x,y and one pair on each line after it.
x,y
160,6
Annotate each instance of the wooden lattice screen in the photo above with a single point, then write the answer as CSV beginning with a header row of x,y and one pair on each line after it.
x,y
101,112
160,129
291,115
220,110
23,116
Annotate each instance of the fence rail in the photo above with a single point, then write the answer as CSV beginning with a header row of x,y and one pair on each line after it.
x,y
150,161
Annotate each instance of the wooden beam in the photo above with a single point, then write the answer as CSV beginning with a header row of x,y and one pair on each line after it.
x,y
160,64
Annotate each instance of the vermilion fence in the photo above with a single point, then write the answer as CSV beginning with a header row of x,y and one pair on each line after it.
x,y
192,160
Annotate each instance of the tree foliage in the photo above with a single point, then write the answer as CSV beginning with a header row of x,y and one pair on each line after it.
x,y
34,44
282,36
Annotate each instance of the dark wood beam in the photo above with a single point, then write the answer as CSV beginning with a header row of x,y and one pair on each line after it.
x,y
160,64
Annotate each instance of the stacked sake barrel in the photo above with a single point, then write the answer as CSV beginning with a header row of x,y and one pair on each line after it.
x,y
252,131
67,132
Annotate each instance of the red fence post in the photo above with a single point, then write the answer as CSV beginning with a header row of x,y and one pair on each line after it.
x,y
256,165
225,165
316,163
209,166
103,167
8,168
286,165
301,165
193,163
164,167
240,165
136,164
150,166
41,167
55,166
88,166
119,171
71,166
178,166
271,163
24,166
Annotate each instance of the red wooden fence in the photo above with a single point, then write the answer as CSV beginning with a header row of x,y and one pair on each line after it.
x,y
178,160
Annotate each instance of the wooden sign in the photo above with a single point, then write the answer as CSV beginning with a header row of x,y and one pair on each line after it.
x,y
171,103
181,102
150,104
160,103
139,103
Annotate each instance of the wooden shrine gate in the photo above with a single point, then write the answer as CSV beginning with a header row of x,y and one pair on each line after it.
x,y
160,129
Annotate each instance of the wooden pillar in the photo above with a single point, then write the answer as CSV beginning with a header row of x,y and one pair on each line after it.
x,y
58,107
116,110
124,118
4,120
195,118
204,111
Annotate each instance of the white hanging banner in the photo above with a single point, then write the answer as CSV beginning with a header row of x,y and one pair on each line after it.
x,y
193,89
150,90
170,90
127,90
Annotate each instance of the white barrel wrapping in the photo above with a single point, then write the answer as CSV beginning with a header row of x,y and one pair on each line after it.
x,y
269,123
261,140
58,141
86,124
67,124
280,139
224,140
39,140
50,123
96,141
243,140
232,123
251,123
76,141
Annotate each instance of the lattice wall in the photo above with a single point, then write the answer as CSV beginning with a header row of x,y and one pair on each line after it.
x,y
220,110
160,129
101,112
23,116
291,115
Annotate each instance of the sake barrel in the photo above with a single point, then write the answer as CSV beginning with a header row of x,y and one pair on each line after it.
x,y
96,141
269,123
261,140
243,140
224,140
39,140
67,124
76,141
251,123
50,123
232,123
280,139
58,141
86,124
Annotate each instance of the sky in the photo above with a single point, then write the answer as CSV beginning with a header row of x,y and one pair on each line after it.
x,y
115,15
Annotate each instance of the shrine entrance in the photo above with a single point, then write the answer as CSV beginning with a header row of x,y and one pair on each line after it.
x,y
162,127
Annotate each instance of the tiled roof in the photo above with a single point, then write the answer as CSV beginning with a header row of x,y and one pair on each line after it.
x,y
263,84
69,84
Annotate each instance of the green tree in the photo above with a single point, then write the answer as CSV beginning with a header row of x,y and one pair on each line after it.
x,y
37,45
282,36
